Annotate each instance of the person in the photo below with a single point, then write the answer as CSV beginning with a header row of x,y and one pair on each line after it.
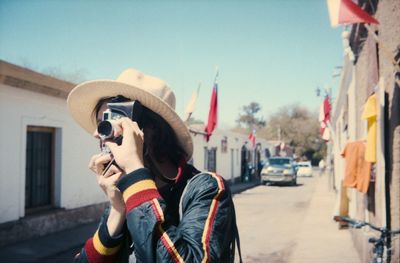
x,y
162,209
321,166
244,163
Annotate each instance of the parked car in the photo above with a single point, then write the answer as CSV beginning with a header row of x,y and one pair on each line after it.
x,y
305,169
296,166
279,170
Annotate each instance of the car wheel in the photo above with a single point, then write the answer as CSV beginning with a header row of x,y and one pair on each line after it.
x,y
294,182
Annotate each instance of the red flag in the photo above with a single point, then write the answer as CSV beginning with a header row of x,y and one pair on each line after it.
x,y
347,12
252,138
212,114
324,118
327,110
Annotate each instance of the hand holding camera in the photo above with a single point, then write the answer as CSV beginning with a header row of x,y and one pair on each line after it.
x,y
120,134
107,179
121,148
131,109
129,154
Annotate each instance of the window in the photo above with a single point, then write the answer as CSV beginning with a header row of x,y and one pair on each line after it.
x,y
279,161
205,158
39,168
212,160
224,145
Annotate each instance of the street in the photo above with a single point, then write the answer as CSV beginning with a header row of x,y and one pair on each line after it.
x,y
269,218
283,224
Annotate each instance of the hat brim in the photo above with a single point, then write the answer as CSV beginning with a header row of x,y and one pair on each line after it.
x,y
83,99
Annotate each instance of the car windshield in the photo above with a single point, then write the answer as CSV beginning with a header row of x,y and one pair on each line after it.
x,y
282,161
304,165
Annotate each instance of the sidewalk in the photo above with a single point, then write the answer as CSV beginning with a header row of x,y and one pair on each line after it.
x,y
38,249
319,238
42,249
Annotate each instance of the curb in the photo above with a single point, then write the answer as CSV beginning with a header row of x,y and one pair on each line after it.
x,y
241,187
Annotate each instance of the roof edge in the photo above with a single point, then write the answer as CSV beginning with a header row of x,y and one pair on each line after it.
x,y
20,77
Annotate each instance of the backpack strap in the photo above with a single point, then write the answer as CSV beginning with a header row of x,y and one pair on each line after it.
x,y
237,238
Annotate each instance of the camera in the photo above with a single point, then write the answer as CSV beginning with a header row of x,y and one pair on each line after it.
x,y
117,110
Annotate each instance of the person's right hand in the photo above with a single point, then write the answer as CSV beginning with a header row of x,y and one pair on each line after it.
x,y
128,155
108,180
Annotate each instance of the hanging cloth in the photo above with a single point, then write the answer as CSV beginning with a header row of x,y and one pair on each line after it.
x,y
358,170
369,114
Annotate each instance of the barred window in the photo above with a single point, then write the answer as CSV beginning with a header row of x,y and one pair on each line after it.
x,y
39,168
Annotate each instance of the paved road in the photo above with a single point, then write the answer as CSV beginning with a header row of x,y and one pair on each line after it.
x,y
269,219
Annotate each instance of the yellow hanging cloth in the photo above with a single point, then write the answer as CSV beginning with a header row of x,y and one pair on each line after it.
x,y
369,114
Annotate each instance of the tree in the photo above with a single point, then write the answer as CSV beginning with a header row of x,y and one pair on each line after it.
x,y
74,76
298,127
248,117
292,124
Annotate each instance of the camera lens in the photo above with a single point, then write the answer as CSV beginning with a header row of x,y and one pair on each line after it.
x,y
105,130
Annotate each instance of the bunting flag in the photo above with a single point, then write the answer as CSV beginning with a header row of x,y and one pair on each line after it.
x,y
252,137
212,114
324,118
191,106
343,12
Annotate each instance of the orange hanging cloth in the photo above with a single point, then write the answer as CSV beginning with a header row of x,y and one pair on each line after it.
x,y
358,170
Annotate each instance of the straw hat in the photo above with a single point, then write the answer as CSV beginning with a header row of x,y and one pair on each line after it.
x,y
150,91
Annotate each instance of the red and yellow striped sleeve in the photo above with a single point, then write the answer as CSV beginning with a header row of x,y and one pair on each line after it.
x,y
99,250
137,187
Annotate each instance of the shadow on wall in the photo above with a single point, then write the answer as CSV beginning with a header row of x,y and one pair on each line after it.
x,y
395,107
394,125
393,152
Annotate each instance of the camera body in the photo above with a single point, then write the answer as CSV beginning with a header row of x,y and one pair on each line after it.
x,y
117,110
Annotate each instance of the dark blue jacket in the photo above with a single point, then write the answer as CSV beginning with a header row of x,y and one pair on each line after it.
x,y
190,220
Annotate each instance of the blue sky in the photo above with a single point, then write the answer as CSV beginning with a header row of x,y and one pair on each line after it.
x,y
273,52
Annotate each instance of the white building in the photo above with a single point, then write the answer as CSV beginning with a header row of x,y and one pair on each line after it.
x,y
43,168
225,152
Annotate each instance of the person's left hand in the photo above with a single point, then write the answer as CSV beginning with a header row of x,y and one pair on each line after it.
x,y
128,155
107,180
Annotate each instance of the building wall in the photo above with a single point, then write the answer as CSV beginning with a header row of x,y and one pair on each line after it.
x,y
229,162
368,72
389,33
75,185
346,113
371,206
366,83
340,120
